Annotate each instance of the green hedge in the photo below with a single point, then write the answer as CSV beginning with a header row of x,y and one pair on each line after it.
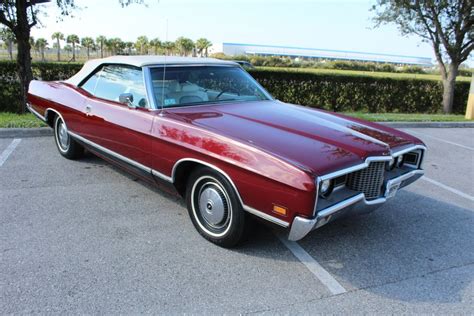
x,y
10,88
336,92
339,92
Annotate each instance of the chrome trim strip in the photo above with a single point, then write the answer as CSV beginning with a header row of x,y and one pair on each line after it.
x,y
363,165
119,156
245,207
406,150
162,176
265,216
35,113
369,160
59,114
302,226
149,88
197,64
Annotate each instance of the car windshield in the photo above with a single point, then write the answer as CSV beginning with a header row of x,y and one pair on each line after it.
x,y
193,85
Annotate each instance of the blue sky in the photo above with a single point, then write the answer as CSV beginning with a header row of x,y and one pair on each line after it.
x,y
343,25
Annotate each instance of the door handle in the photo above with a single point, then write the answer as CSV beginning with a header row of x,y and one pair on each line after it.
x,y
88,110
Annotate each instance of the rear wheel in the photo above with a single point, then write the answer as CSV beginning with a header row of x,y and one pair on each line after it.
x,y
215,209
67,146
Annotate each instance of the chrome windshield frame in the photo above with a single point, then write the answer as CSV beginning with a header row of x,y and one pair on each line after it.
x,y
151,96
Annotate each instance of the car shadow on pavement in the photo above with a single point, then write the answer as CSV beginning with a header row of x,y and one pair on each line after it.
x,y
413,239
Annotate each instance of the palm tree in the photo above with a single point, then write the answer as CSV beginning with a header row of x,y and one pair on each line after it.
x,y
40,45
129,46
142,45
100,40
58,36
88,43
168,46
68,49
156,44
184,45
117,45
9,38
202,46
73,39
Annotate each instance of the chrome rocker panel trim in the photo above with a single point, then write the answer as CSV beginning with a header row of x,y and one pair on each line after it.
x,y
172,178
30,108
302,226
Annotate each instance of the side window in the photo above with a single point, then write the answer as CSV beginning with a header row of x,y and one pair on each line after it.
x,y
91,83
112,80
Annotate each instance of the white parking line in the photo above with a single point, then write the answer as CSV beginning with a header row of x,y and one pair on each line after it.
x,y
441,140
7,152
450,189
313,266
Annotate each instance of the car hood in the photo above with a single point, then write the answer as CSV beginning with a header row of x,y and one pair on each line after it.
x,y
314,140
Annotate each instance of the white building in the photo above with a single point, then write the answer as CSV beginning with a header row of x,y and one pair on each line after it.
x,y
234,49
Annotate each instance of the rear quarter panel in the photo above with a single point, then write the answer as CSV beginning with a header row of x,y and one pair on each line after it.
x,y
58,96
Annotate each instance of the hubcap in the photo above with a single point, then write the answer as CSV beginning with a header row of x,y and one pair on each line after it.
x,y
63,136
213,205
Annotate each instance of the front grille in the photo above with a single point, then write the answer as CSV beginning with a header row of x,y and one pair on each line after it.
x,y
368,180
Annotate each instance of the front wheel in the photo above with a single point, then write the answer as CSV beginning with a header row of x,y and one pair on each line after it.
x,y
215,209
67,146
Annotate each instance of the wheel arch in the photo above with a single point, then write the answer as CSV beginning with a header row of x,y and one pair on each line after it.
x,y
50,114
183,167
193,163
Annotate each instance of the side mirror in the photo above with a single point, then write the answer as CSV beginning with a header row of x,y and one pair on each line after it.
x,y
127,98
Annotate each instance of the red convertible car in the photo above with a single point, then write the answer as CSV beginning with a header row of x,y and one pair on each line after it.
x,y
204,128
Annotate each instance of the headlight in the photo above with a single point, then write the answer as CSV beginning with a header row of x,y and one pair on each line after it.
x,y
325,188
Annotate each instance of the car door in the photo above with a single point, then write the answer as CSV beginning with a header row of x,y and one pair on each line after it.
x,y
123,129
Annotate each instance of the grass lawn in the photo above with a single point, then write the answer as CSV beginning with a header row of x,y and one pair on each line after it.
x,y
377,74
402,117
11,120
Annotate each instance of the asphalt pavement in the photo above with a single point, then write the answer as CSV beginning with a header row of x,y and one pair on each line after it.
x,y
84,237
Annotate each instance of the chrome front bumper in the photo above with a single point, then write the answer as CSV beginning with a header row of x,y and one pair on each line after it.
x,y
356,204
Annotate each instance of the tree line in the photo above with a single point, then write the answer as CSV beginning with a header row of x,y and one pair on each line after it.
x,y
102,46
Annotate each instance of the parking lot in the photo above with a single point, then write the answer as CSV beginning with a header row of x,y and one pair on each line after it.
x,y
84,237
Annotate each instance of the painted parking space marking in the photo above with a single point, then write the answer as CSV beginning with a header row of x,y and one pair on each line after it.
x,y
313,266
8,151
442,140
448,188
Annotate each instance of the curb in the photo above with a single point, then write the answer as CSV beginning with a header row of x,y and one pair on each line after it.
x,y
25,132
429,124
46,131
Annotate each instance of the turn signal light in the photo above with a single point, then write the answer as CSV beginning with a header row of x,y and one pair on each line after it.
x,y
279,210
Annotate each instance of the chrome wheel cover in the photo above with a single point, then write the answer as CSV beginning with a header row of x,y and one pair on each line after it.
x,y
211,206
62,136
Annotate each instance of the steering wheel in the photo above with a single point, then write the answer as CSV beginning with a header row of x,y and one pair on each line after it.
x,y
227,90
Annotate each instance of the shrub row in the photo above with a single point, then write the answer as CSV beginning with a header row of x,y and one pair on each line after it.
x,y
10,88
336,92
339,92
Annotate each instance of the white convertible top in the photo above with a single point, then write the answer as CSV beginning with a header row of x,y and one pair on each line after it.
x,y
141,61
